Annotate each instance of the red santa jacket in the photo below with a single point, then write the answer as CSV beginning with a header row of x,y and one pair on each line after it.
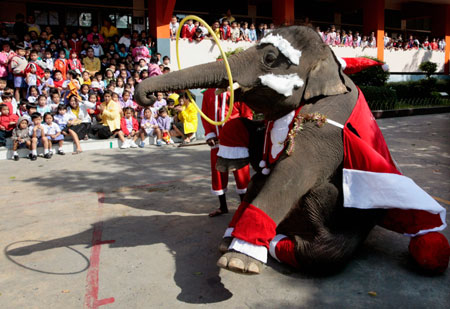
x,y
123,125
186,32
216,108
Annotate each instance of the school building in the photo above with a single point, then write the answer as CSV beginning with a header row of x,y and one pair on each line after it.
x,y
416,17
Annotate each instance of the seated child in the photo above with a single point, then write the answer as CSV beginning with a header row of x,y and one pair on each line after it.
x,y
20,137
160,101
22,109
7,123
129,126
36,132
53,134
55,101
149,127
164,124
64,121
7,100
42,107
33,94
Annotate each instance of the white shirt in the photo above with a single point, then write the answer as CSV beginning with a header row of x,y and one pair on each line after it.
x,y
174,28
62,120
38,132
125,41
129,124
50,129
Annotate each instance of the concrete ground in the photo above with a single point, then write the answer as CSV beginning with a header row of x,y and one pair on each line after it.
x,y
129,229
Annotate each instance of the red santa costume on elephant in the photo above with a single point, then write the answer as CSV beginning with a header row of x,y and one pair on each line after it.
x,y
371,180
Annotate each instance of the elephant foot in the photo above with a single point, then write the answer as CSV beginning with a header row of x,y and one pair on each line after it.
x,y
229,165
240,263
224,244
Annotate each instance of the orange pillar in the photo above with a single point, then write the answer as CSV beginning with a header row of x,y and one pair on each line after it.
x,y
283,12
159,14
373,17
447,39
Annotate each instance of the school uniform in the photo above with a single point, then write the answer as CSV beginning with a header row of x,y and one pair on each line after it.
x,y
51,129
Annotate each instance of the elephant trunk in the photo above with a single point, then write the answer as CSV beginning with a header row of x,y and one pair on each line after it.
x,y
208,75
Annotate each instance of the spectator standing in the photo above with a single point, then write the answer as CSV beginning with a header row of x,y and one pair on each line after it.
x,y
225,31
188,30
94,32
20,28
260,32
174,25
125,39
32,26
235,32
61,63
140,52
228,17
442,44
108,30
98,49
18,64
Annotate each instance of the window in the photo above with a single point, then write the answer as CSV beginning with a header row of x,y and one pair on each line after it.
x,y
41,17
85,19
53,18
72,18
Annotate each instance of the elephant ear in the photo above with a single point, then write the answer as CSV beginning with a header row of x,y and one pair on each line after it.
x,y
325,79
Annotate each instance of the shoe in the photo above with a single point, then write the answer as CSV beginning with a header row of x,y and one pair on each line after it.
x,y
163,142
48,155
158,143
171,142
125,145
33,157
141,144
61,152
133,144
16,157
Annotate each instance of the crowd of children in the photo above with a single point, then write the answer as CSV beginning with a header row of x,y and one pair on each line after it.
x,y
72,86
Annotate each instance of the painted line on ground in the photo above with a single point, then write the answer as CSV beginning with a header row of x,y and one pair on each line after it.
x,y
441,200
91,300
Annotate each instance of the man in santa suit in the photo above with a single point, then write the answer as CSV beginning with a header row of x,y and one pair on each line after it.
x,y
188,30
215,106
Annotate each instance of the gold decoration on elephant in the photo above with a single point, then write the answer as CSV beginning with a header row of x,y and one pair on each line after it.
x,y
299,121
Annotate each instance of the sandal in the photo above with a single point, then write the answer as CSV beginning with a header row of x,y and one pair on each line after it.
x,y
217,212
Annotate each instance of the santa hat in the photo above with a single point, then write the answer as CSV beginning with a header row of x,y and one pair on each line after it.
x,y
357,64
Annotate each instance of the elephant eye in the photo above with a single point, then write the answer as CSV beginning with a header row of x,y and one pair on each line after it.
x,y
270,58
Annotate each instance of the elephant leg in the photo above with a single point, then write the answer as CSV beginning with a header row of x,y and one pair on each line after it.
x,y
320,233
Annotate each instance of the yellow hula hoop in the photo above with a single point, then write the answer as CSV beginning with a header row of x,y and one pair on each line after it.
x,y
227,66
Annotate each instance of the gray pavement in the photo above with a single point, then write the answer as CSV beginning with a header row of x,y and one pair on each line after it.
x,y
153,204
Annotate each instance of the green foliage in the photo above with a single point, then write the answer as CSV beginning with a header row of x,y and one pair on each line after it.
x,y
231,52
428,68
373,76
379,97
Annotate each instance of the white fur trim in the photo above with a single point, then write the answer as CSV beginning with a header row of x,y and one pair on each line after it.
x,y
228,152
279,133
265,171
218,192
228,232
254,251
283,84
262,164
385,67
210,135
241,191
273,245
342,62
283,46
369,190
336,124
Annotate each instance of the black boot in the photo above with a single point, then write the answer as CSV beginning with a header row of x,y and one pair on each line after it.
x,y
241,196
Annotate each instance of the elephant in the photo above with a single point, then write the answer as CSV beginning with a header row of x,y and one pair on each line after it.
x,y
302,197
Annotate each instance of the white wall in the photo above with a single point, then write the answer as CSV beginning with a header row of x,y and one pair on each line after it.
x,y
193,53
